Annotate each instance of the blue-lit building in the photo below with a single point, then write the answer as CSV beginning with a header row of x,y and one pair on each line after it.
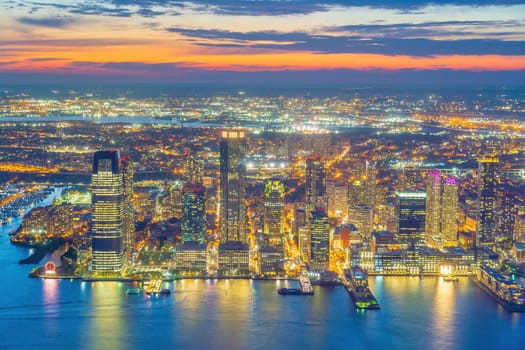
x,y
410,215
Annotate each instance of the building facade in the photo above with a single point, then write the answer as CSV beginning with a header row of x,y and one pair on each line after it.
x,y
108,249
232,214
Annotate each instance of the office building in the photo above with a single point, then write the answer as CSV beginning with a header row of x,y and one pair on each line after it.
x,y
410,215
273,212
320,240
315,183
108,249
487,201
232,214
193,225
128,218
449,212
433,206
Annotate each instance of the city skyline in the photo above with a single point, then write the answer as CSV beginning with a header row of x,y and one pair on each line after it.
x,y
265,41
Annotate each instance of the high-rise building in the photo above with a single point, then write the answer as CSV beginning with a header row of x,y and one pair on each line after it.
x,y
192,168
273,212
128,218
449,212
193,225
337,195
433,205
320,240
362,217
487,201
232,213
315,184
410,214
108,250
369,179
507,212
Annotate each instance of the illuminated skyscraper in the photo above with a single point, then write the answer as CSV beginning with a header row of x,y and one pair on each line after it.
x,y
449,212
433,205
487,201
320,240
273,212
193,226
410,214
128,218
192,168
232,224
337,198
315,182
107,212
507,212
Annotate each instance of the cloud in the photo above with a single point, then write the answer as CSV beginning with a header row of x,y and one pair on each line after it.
x,y
363,42
53,22
154,8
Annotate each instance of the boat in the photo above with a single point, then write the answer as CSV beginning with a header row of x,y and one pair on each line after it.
x,y
165,291
450,279
134,291
502,289
294,291
355,281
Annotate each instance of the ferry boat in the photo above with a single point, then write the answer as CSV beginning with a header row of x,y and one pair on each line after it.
x,y
294,291
507,292
450,278
134,291
356,283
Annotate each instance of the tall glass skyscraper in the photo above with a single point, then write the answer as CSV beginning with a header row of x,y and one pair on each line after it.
x,y
433,205
320,240
107,212
487,201
410,214
315,182
232,213
449,212
193,226
128,219
273,212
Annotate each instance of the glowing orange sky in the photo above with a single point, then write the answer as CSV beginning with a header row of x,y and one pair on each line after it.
x,y
43,41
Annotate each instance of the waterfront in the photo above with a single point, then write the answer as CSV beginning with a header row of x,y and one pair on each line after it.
x,y
242,314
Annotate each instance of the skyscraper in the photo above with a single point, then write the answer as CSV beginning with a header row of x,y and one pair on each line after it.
x,y
193,226
433,205
107,212
410,214
320,240
487,201
449,212
273,212
315,182
192,168
128,218
232,221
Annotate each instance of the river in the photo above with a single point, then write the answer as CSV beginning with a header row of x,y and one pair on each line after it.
x,y
416,313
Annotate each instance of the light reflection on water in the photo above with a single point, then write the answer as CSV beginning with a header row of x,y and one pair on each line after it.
x,y
415,313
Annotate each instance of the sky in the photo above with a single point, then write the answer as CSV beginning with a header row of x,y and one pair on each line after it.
x,y
263,41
